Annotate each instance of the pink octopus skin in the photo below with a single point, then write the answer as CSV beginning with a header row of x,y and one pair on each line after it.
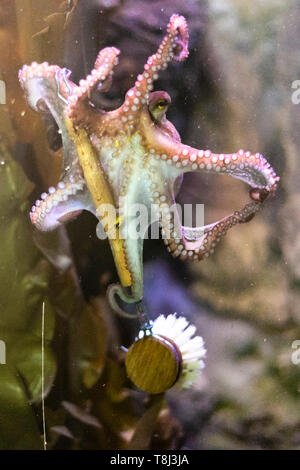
x,y
140,151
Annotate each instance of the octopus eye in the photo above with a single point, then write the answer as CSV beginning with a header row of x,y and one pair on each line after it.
x,y
158,105
161,104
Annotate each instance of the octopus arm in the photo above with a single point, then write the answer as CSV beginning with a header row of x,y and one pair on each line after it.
x,y
251,168
79,109
196,243
174,46
48,89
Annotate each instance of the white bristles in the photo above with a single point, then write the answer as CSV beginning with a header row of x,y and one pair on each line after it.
x,y
191,348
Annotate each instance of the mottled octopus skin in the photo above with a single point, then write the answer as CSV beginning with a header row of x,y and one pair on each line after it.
x,y
140,153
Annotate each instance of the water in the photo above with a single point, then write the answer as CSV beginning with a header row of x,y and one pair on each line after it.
x,y
59,336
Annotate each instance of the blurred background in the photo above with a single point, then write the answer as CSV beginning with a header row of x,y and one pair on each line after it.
x,y
234,91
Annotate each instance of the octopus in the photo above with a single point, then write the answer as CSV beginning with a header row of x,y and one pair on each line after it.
x,y
133,154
